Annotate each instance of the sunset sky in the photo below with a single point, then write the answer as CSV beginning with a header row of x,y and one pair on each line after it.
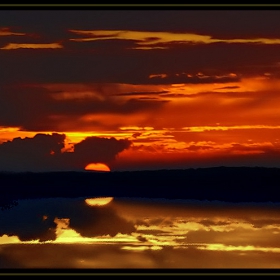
x,y
138,89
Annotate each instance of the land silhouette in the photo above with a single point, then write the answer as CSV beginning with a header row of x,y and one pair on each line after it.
x,y
229,184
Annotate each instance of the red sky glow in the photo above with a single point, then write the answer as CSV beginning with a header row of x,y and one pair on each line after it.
x,y
149,89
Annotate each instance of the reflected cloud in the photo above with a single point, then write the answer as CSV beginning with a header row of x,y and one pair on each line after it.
x,y
222,247
5,31
143,233
12,46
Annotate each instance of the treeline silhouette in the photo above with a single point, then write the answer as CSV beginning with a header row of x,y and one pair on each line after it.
x,y
232,184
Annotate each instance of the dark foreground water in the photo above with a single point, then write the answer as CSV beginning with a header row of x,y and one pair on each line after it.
x,y
138,233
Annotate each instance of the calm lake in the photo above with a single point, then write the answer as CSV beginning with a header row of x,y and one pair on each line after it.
x,y
106,233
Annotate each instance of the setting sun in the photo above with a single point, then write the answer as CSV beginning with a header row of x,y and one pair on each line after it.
x,y
97,167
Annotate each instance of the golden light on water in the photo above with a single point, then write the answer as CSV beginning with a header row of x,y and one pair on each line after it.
x,y
141,233
222,247
5,239
98,167
99,201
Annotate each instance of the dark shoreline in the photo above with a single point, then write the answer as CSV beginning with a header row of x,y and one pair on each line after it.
x,y
230,184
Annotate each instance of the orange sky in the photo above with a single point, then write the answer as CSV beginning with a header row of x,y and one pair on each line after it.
x,y
182,95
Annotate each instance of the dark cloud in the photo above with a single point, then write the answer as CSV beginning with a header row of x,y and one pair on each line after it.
x,y
32,220
265,222
229,87
141,93
30,154
28,221
229,236
98,221
248,22
199,147
87,62
36,108
23,107
43,153
95,149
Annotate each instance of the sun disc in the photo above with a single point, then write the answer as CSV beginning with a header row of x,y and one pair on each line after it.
x,y
98,167
98,201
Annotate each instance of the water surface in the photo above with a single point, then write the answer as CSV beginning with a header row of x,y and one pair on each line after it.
x,y
107,233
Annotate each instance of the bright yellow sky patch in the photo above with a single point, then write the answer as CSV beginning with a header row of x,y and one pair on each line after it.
x,y
5,239
223,247
218,127
14,46
146,39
